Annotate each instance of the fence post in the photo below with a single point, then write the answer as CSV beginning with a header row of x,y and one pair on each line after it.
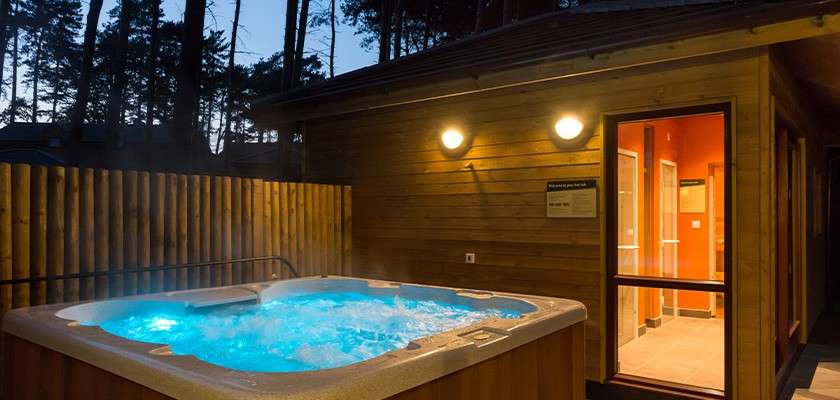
x,y
38,234
236,228
158,229
103,229
5,235
144,233
170,221
247,230
131,216
116,237
20,233
347,231
71,232
55,232
204,241
87,233
193,215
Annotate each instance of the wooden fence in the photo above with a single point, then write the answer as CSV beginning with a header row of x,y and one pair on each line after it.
x,y
65,220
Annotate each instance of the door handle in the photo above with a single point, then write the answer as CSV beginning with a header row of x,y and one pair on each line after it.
x,y
628,247
670,241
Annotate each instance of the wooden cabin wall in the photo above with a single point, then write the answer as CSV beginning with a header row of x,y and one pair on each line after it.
x,y
793,106
416,212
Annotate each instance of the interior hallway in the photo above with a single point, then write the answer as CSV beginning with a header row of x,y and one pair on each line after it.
x,y
664,353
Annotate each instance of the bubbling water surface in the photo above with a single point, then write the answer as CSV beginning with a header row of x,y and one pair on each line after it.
x,y
303,332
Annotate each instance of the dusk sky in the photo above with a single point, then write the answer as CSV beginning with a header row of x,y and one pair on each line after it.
x,y
261,30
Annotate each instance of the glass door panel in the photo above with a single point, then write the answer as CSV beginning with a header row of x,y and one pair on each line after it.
x,y
628,243
667,273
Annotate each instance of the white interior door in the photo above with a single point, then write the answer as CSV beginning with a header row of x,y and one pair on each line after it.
x,y
668,241
628,243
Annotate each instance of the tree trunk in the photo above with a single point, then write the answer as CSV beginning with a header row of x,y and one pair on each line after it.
x,y
118,78
151,74
189,76
479,9
507,12
398,29
55,94
36,75
83,91
385,31
208,116
15,60
5,6
230,69
332,39
289,45
301,41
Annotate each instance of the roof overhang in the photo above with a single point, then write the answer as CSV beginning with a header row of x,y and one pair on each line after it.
x,y
806,23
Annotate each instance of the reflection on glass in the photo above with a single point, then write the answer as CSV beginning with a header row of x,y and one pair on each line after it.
x,y
687,349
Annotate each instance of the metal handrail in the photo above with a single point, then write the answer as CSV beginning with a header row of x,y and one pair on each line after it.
x,y
137,270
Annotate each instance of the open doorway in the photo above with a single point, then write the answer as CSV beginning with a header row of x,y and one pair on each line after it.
x,y
669,191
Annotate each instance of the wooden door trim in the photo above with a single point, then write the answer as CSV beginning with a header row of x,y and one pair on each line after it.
x,y
613,280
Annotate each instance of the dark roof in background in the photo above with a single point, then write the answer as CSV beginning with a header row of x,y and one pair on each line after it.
x,y
30,156
587,30
91,133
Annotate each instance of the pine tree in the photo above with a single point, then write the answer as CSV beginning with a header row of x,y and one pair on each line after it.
x,y
229,94
62,54
301,41
289,45
114,116
14,102
152,66
83,88
186,97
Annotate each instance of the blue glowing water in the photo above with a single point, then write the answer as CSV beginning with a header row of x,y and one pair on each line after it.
x,y
299,333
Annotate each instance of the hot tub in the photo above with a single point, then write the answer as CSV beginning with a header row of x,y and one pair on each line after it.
x,y
311,338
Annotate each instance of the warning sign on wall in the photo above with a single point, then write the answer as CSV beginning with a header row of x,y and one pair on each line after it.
x,y
572,199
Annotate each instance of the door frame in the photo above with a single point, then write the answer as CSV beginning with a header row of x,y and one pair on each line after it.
x,y
712,193
614,280
661,247
635,157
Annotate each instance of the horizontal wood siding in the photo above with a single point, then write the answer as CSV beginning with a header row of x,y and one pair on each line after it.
x,y
67,220
416,211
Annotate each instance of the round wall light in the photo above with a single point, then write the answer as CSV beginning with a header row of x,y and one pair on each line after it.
x,y
454,141
569,132
568,128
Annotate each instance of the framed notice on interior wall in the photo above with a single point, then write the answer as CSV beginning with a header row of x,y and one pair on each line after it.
x,y
692,195
571,199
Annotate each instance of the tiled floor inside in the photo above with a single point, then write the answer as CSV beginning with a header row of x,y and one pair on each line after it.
x,y
684,350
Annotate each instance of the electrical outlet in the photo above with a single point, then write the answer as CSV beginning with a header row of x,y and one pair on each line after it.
x,y
469,258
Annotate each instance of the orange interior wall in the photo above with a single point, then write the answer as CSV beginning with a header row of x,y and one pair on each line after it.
x,y
692,143
701,143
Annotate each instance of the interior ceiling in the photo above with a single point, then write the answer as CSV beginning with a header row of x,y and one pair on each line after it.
x,y
815,63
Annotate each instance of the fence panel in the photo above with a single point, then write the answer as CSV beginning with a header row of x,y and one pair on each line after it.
x,y
66,220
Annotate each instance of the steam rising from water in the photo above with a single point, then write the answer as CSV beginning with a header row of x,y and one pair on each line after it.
x,y
300,333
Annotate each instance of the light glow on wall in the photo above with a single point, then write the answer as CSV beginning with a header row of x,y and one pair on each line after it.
x,y
568,128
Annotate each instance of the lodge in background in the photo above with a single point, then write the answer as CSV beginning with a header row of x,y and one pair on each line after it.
x,y
707,129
